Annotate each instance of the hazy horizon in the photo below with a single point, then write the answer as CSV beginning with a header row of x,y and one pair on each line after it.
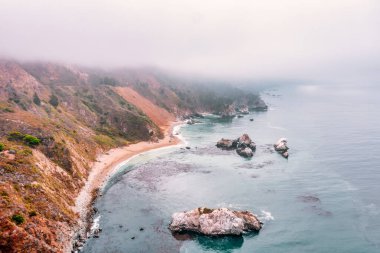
x,y
291,39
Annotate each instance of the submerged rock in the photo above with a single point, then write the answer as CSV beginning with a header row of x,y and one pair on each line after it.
x,y
282,147
221,221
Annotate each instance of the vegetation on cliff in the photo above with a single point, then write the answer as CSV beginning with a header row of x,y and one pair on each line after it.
x,y
55,119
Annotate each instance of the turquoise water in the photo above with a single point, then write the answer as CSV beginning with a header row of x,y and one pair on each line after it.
x,y
324,198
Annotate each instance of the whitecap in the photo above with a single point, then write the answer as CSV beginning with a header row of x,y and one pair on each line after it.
x,y
95,224
177,132
265,215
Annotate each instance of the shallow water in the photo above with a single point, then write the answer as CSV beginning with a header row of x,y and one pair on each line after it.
x,y
324,198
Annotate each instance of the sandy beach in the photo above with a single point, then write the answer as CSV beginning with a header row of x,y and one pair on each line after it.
x,y
106,163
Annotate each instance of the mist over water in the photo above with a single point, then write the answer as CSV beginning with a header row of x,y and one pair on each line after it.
x,y
324,198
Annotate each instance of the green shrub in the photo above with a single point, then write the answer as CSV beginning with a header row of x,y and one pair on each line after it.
x,y
31,140
26,152
7,109
1,146
104,140
15,136
36,99
53,100
18,219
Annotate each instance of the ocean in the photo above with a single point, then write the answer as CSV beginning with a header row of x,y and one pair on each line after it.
x,y
324,198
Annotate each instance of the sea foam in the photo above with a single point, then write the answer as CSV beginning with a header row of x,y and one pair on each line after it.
x,y
265,215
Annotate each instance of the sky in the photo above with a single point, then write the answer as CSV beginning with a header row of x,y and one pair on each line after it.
x,y
271,39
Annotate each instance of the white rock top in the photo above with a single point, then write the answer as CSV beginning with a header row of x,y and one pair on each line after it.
x,y
221,221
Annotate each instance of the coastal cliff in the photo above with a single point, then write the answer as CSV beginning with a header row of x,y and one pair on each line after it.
x,y
55,120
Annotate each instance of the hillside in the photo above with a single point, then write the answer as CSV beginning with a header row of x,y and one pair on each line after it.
x,y
56,119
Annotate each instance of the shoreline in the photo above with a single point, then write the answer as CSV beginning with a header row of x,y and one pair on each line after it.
x,y
106,165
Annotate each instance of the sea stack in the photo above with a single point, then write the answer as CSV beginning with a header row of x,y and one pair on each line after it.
x,y
215,222
244,145
282,147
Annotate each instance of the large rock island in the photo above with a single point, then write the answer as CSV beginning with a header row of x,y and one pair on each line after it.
x,y
215,222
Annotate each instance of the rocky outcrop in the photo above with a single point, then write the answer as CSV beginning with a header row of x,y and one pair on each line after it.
x,y
245,142
214,222
259,105
245,152
282,147
228,112
226,144
192,121
244,145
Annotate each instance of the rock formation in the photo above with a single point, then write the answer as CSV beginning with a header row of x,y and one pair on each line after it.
x,y
281,147
244,145
214,222
246,152
226,144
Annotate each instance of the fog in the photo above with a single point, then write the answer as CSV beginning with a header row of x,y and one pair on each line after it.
x,y
271,39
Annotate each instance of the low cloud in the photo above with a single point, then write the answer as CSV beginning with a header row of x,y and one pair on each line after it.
x,y
236,38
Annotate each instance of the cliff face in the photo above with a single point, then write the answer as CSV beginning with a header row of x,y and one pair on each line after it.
x,y
55,119
71,121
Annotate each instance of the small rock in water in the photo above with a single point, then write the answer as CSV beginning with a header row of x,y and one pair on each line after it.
x,y
188,147
133,238
281,147
141,229
97,232
120,226
226,144
251,119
